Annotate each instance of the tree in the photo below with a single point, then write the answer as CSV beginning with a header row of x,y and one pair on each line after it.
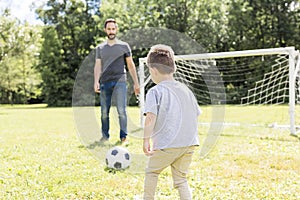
x,y
19,43
257,24
70,28
76,27
29,45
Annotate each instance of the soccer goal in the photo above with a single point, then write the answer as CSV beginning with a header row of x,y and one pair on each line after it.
x,y
253,79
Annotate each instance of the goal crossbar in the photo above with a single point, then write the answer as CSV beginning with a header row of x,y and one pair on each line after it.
x,y
232,54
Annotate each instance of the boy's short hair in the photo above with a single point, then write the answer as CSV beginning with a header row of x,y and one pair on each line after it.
x,y
161,57
110,20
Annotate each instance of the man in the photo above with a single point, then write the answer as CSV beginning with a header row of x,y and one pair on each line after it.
x,y
110,78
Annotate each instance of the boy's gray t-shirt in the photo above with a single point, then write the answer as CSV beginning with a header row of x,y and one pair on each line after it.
x,y
177,114
113,60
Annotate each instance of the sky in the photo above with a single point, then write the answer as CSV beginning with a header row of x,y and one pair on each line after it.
x,y
22,9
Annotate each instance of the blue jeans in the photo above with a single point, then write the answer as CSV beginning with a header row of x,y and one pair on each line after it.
x,y
116,92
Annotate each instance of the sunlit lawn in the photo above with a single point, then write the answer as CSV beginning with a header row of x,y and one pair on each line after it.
x,y
43,157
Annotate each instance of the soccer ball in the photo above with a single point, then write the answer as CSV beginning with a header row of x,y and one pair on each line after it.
x,y
118,158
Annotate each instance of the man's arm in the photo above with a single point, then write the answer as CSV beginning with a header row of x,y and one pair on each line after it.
x,y
133,74
97,73
148,131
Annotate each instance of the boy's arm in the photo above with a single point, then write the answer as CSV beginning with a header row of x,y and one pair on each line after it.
x,y
97,73
148,131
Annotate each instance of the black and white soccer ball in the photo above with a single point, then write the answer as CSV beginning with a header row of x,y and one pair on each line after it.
x,y
118,158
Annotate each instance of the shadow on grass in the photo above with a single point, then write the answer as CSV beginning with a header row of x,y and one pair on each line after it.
x,y
114,171
105,144
296,136
97,144
26,106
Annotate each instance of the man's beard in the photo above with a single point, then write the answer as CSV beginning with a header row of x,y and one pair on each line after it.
x,y
111,36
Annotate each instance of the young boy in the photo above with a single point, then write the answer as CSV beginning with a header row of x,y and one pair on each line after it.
x,y
171,121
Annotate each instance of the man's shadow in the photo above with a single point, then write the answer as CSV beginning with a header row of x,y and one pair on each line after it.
x,y
96,144
100,143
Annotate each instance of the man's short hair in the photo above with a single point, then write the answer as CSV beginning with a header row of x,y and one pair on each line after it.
x,y
161,57
109,20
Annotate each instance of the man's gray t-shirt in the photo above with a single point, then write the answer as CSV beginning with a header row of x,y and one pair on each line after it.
x,y
177,114
113,60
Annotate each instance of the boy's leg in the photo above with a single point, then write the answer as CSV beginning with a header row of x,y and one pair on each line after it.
x,y
150,183
179,172
157,163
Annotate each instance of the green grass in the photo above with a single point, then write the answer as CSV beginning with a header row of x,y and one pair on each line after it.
x,y
42,157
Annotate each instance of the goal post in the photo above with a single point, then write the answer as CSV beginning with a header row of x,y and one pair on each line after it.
x,y
250,77
294,89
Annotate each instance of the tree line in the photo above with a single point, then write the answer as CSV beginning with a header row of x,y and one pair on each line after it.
x,y
41,62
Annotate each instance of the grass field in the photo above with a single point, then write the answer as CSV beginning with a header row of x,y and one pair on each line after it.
x,y
43,157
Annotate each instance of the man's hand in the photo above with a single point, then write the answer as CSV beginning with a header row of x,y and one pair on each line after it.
x,y
97,73
136,88
97,87
133,74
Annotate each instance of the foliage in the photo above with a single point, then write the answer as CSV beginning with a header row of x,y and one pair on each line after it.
x,y
263,24
70,28
214,25
19,80
77,27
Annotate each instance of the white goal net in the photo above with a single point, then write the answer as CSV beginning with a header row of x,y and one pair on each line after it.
x,y
245,81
